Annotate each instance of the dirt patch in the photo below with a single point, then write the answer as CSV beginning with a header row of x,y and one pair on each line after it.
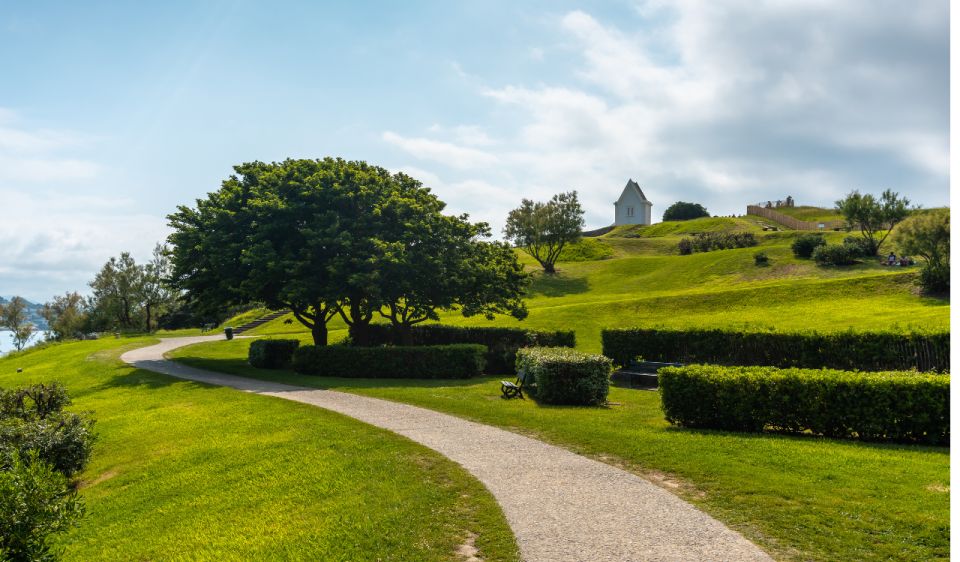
x,y
468,551
102,478
939,488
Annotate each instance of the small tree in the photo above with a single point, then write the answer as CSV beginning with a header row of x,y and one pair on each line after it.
x,y
13,316
927,234
873,217
156,293
682,211
543,229
118,292
66,315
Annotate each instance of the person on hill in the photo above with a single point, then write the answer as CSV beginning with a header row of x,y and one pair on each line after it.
x,y
892,259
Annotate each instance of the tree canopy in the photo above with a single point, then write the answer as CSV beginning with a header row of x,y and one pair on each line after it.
x,y
328,237
927,234
13,316
543,229
681,211
873,217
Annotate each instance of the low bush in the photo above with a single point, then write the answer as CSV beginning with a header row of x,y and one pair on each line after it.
x,y
501,343
874,351
935,279
271,354
880,406
710,241
36,502
858,247
566,376
761,259
805,244
458,361
835,254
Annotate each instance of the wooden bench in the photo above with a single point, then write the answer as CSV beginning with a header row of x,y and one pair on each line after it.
x,y
513,389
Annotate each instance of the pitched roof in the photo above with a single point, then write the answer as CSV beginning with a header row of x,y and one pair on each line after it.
x,y
635,185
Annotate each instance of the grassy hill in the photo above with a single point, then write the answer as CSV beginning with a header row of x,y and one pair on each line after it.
x,y
810,214
633,276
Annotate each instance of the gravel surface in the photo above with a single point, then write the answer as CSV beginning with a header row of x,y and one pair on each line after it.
x,y
560,505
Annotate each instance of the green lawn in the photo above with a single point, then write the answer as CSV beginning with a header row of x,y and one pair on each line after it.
x,y
183,470
810,214
799,498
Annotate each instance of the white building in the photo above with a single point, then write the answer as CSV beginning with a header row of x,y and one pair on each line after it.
x,y
632,207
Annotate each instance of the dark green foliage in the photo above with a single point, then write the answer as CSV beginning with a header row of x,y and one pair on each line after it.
x,y
543,229
458,361
935,279
710,241
761,259
566,376
36,502
894,406
805,244
271,354
681,211
872,351
685,246
501,343
33,402
857,247
836,254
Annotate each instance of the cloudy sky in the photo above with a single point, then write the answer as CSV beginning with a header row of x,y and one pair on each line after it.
x,y
114,113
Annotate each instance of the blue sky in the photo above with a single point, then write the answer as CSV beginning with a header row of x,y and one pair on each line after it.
x,y
113,113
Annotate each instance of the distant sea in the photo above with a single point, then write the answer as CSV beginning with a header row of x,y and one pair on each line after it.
x,y
6,341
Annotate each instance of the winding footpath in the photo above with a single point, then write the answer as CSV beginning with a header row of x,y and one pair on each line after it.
x,y
561,506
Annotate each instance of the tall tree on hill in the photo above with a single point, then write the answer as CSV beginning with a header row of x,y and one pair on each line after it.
x,y
927,234
874,218
117,292
13,317
543,229
156,293
327,237
66,315
681,211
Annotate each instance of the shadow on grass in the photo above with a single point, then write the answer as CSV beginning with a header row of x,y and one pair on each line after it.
x,y
807,437
557,285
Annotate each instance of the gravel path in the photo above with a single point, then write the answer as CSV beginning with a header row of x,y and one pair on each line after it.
x,y
560,505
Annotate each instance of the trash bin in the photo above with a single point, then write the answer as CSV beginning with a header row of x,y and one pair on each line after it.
x,y
228,331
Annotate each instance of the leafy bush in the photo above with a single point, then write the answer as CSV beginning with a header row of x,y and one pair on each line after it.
x,y
709,241
422,362
875,351
566,376
501,343
271,354
835,254
32,419
857,246
935,278
36,502
681,211
761,259
895,406
685,246
805,244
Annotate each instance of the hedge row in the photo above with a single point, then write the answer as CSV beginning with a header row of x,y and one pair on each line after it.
x,y
501,343
458,361
566,376
868,351
271,354
882,406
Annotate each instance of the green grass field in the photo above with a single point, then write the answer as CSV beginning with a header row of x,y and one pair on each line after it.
x,y
642,281
799,498
185,471
810,214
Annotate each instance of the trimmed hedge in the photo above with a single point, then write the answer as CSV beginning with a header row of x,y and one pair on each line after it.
x,y
868,351
271,354
502,343
883,406
566,376
458,361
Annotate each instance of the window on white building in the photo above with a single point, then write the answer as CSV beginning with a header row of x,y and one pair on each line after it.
x,y
629,211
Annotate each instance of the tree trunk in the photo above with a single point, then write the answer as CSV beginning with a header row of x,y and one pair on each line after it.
x,y
148,317
319,331
548,267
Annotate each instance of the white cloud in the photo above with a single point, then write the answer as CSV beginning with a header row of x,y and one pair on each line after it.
x,y
725,103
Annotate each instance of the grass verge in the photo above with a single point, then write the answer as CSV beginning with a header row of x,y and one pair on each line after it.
x,y
183,470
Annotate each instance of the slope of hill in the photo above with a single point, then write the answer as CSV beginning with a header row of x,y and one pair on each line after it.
x,y
646,283
811,214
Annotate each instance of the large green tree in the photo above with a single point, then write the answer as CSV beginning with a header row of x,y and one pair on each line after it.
x,y
66,315
328,237
873,217
681,211
542,229
117,299
156,292
927,234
